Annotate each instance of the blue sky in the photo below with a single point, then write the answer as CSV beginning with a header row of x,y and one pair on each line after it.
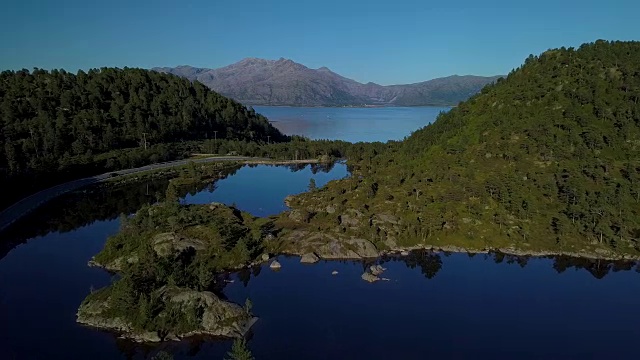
x,y
388,42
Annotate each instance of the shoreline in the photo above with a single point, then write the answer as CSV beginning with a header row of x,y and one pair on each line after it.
x,y
27,205
151,337
349,106
517,252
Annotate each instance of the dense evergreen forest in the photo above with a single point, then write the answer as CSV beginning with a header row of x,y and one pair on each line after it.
x,y
58,126
545,159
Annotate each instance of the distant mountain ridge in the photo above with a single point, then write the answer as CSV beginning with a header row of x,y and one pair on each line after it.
x,y
281,82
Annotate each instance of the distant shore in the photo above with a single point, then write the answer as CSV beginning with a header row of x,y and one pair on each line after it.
x,y
350,106
609,256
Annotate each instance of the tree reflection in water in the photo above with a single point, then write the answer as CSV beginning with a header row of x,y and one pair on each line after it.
x,y
97,203
430,262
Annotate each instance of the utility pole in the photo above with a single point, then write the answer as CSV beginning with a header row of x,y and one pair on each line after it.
x,y
268,137
144,137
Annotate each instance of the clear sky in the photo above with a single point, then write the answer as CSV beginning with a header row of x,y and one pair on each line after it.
x,y
399,41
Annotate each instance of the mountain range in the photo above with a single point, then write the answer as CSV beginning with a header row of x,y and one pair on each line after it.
x,y
283,82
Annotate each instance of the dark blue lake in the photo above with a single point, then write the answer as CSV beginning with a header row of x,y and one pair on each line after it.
x,y
434,305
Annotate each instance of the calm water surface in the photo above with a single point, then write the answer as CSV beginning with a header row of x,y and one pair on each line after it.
x,y
434,306
351,124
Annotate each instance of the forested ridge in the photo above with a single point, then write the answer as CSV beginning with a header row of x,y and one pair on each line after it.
x,y
545,159
57,125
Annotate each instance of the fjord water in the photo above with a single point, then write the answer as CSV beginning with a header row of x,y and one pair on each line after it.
x,y
433,306
350,124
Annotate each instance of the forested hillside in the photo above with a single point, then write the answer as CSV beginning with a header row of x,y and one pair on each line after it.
x,y
58,125
546,159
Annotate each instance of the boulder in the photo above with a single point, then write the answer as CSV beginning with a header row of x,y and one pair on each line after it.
x,y
215,205
309,258
334,272
287,200
299,215
385,218
265,257
147,336
275,265
367,276
376,270
404,253
220,318
349,220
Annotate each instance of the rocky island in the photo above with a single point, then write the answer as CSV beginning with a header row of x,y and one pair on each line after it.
x,y
168,256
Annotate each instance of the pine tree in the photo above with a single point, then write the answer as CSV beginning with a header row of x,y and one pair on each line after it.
x,y
239,351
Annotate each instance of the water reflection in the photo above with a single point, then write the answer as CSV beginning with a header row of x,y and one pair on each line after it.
x,y
98,203
430,262
315,168
108,201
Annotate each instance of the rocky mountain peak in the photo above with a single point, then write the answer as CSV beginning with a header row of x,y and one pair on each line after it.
x,y
256,81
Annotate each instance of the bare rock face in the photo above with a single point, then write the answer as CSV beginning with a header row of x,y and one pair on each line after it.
x,y
348,249
298,215
220,318
216,205
144,337
287,200
91,314
351,218
326,246
309,258
285,82
168,243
